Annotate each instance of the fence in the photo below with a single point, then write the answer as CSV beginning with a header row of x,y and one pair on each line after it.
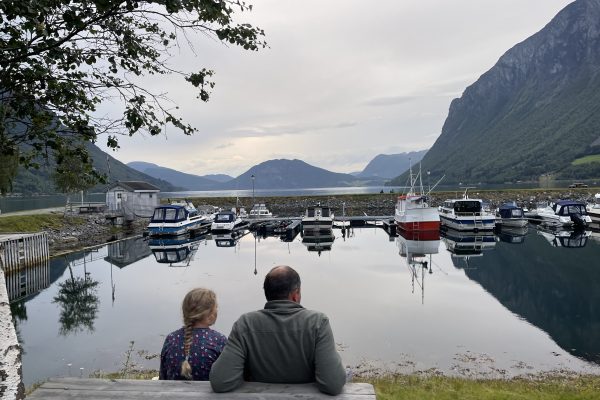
x,y
23,250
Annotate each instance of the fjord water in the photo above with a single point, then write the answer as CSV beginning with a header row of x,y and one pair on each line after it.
x,y
524,305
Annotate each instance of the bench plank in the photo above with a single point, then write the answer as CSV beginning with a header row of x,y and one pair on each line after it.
x,y
131,389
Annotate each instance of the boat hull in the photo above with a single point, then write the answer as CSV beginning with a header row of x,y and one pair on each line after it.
x,y
317,224
513,222
166,229
418,219
469,224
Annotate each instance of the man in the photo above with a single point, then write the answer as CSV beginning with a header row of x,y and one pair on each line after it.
x,y
282,343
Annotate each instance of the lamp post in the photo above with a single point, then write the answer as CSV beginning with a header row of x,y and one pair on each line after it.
x,y
253,189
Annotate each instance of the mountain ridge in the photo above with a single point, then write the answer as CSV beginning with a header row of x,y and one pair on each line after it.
x,y
512,123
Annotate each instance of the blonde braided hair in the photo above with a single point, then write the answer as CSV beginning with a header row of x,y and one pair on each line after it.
x,y
198,305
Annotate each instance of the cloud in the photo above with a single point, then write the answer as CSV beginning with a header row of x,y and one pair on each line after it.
x,y
290,129
224,146
390,101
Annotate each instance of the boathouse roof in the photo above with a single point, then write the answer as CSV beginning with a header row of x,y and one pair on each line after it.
x,y
135,186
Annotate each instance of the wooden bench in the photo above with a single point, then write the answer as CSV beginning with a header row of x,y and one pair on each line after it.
x,y
130,389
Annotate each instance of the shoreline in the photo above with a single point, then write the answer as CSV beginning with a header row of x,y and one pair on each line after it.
x,y
81,231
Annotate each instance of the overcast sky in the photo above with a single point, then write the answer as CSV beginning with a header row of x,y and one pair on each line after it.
x,y
341,81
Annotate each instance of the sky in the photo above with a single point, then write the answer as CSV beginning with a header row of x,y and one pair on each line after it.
x,y
341,81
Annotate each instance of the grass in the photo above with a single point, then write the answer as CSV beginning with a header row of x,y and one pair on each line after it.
x,y
558,387
36,223
586,159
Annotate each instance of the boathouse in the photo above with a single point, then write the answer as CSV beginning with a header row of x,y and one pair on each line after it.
x,y
132,199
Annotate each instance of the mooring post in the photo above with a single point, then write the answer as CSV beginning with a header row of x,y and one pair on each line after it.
x,y
11,382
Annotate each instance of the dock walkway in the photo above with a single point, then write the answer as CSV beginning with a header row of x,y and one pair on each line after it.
x,y
127,389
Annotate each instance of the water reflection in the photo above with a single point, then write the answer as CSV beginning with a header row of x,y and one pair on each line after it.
x,y
526,299
178,251
318,240
564,238
468,244
417,249
553,289
126,252
78,302
514,235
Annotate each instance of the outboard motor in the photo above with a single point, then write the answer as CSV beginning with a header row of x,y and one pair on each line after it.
x,y
578,221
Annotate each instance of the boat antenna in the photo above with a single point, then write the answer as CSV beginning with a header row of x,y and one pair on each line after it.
x,y
420,178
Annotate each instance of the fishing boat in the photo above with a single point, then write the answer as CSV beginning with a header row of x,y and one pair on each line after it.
x,y
226,221
563,214
511,215
175,219
317,217
593,210
466,214
260,211
413,212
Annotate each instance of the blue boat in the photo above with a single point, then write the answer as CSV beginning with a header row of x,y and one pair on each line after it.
x,y
176,219
511,215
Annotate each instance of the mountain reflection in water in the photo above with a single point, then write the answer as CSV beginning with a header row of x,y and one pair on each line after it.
x,y
84,308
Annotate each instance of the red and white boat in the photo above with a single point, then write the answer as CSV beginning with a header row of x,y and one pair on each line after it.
x,y
413,213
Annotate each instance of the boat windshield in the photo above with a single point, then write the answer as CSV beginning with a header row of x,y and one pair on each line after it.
x,y
224,218
573,209
516,213
467,206
168,214
325,212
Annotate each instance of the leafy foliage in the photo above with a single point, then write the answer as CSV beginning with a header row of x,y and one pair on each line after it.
x,y
79,302
61,59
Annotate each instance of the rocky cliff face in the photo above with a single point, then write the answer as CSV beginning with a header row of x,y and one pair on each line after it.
x,y
534,112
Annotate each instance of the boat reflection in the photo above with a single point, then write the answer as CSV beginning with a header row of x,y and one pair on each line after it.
x,y
564,238
417,249
229,239
318,240
177,251
509,234
468,244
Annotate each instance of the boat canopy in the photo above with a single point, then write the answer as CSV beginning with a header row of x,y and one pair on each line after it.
x,y
314,211
569,207
170,213
510,210
226,216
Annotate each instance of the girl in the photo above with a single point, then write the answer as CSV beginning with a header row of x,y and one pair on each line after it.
x,y
189,352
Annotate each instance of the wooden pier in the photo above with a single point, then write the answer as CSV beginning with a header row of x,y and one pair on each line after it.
x,y
127,389
23,250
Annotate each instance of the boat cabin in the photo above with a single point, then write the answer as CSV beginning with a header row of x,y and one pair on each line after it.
x,y
463,206
569,207
225,216
173,213
510,210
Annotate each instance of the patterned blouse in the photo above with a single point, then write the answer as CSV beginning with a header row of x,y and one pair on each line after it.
x,y
207,345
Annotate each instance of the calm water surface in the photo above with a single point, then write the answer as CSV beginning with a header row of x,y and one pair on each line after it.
x,y
522,304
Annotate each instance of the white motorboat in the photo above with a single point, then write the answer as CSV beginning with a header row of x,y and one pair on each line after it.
x,y
413,213
317,217
226,221
260,211
593,210
511,215
563,214
466,214
175,219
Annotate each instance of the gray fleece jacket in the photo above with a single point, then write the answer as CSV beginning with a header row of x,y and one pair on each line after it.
x,y
282,343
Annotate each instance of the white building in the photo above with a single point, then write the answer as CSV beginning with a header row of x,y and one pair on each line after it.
x,y
132,199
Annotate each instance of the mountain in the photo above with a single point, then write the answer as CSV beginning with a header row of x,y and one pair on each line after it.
x,y
40,180
389,166
177,178
535,112
291,174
